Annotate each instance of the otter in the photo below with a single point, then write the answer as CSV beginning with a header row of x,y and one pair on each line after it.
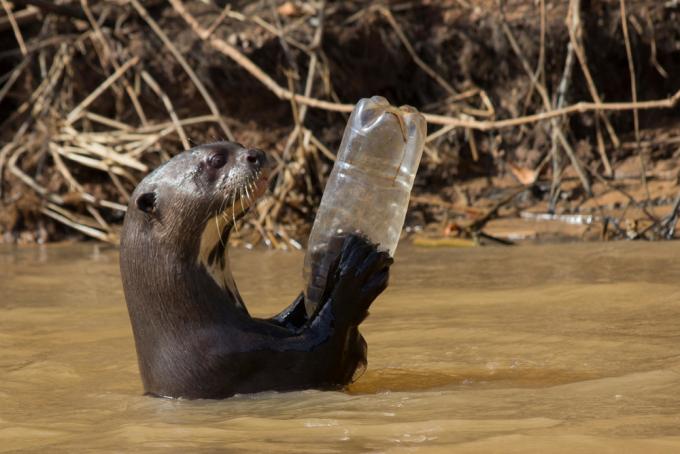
x,y
193,334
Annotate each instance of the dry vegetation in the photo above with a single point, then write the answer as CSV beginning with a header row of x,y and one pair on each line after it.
x,y
565,112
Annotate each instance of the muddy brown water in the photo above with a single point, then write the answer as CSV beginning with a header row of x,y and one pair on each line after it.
x,y
563,348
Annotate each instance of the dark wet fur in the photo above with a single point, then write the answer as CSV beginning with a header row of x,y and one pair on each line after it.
x,y
192,340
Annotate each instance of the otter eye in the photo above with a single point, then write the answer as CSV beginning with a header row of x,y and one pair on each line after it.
x,y
217,160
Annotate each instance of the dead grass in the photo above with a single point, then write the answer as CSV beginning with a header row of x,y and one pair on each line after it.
x,y
96,94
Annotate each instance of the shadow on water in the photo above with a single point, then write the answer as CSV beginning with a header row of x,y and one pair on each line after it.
x,y
405,380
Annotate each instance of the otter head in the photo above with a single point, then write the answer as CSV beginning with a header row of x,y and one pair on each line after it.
x,y
185,209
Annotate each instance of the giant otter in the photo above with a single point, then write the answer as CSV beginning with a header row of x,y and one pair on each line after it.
x,y
193,333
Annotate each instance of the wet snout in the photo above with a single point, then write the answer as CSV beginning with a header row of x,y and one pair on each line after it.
x,y
259,164
254,158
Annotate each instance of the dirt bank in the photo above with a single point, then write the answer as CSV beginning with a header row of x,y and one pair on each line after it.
x,y
94,95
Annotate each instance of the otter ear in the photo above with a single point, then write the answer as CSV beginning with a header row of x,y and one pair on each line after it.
x,y
146,202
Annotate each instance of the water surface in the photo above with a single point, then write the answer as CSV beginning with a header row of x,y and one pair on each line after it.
x,y
564,348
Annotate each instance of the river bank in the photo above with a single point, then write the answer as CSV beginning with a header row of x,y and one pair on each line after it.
x,y
549,120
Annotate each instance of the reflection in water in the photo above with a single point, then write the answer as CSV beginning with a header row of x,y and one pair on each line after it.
x,y
394,379
531,349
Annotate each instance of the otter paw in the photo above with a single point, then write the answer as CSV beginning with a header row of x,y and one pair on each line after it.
x,y
360,275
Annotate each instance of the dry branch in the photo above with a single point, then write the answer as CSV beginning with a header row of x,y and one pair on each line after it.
x,y
15,26
81,154
182,61
76,113
633,91
482,125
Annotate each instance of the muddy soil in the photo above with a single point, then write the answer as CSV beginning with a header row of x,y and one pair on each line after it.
x,y
498,185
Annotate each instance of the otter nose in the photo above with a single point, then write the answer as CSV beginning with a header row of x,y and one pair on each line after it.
x,y
255,157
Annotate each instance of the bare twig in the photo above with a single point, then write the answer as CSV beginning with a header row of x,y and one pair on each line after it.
x,y
223,15
480,222
151,82
89,231
103,149
580,107
414,55
653,57
182,61
15,26
50,6
105,44
546,105
558,124
576,39
539,73
75,114
23,16
282,93
672,219
633,90
107,121
27,180
14,75
257,20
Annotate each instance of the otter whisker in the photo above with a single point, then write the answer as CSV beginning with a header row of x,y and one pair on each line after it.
x,y
252,184
226,221
222,210
219,231
240,198
233,208
245,188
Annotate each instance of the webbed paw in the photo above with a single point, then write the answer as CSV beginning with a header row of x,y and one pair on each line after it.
x,y
358,276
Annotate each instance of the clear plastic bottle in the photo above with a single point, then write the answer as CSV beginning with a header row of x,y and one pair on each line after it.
x,y
369,188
